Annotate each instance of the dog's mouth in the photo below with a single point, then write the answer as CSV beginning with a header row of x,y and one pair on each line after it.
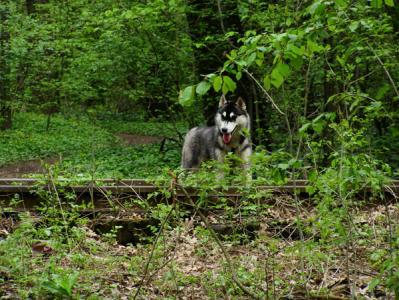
x,y
228,136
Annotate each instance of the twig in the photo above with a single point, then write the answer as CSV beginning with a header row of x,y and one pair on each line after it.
x,y
166,262
220,16
305,109
60,204
361,77
222,23
264,91
385,69
327,297
173,191
153,249
163,142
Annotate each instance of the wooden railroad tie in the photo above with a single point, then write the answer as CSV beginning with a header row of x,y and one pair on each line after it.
x,y
102,191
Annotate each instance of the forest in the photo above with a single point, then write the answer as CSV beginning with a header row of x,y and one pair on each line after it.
x,y
95,93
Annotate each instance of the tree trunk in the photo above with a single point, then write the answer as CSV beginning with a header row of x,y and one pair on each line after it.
x,y
5,107
30,5
213,18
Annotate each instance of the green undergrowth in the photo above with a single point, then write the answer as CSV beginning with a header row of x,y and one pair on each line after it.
x,y
59,256
85,147
29,139
120,162
57,260
127,123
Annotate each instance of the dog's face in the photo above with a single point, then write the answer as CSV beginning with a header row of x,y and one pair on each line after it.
x,y
231,118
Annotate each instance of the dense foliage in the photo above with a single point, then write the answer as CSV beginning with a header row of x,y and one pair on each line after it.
x,y
76,54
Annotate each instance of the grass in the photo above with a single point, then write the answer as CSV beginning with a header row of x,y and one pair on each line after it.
x,y
88,147
126,123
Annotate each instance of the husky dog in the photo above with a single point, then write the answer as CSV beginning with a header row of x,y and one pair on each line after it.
x,y
232,124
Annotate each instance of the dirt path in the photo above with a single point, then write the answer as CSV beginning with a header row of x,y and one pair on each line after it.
x,y
136,139
22,168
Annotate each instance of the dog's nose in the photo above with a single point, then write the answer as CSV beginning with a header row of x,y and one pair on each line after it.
x,y
224,130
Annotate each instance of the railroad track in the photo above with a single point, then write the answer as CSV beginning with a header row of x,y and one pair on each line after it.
x,y
140,186
102,192
26,185
111,203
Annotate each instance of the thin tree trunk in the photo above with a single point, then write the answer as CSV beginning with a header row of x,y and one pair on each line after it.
x,y
212,18
5,108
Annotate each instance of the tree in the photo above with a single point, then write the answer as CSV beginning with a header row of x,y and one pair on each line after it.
x,y
5,105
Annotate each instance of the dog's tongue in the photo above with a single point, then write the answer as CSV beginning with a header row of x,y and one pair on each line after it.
x,y
226,138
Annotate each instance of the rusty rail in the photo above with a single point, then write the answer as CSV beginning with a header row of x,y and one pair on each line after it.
x,y
109,193
139,186
107,204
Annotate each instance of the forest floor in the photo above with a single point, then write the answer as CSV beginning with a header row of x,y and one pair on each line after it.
x,y
187,263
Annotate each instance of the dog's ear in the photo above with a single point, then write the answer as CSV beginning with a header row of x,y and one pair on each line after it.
x,y
241,103
222,101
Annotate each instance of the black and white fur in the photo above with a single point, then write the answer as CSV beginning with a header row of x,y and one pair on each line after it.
x,y
226,136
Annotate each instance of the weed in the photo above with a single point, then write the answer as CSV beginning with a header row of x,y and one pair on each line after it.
x,y
61,285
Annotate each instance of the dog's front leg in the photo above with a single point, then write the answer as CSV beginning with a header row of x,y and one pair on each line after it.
x,y
246,164
220,155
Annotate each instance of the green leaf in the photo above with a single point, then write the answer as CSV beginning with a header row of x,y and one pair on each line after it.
x,y
332,22
389,3
304,127
318,126
353,26
341,3
283,69
231,85
376,3
203,87
373,284
251,58
296,63
295,50
276,78
314,47
382,91
279,73
211,76
225,88
310,189
295,163
316,8
128,14
217,83
341,61
199,45
238,75
186,97
267,82
283,166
